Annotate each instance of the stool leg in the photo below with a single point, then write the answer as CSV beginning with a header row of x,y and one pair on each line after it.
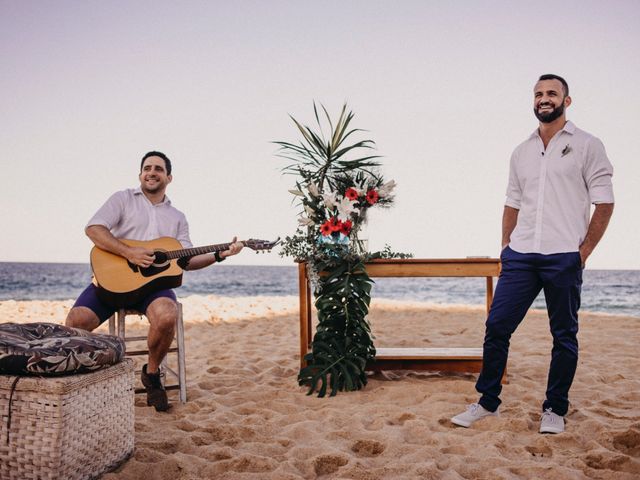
x,y
182,371
112,324
120,323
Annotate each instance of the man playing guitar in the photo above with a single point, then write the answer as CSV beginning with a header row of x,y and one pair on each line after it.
x,y
143,213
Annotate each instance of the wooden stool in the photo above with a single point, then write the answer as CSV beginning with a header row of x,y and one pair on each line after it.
x,y
117,327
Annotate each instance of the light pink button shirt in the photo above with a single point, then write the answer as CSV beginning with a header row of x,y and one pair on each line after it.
x,y
554,189
129,214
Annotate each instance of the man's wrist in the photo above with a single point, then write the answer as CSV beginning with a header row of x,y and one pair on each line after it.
x,y
219,258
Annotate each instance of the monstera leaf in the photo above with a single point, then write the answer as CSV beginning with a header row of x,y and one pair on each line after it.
x,y
343,344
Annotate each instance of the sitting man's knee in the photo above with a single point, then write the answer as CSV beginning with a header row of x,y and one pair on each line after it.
x,y
163,312
83,318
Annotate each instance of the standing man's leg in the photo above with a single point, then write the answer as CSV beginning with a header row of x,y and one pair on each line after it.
x,y
517,288
562,277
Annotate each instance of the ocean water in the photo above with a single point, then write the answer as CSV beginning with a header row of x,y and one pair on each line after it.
x,y
608,291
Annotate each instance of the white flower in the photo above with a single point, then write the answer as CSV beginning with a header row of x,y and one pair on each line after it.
x,y
330,199
305,221
310,211
386,189
297,193
345,208
313,190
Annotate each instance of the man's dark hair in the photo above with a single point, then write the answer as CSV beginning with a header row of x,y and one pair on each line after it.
x,y
167,162
551,76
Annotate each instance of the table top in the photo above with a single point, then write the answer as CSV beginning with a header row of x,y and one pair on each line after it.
x,y
434,260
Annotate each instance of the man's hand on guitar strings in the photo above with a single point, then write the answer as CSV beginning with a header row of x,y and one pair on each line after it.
x,y
143,257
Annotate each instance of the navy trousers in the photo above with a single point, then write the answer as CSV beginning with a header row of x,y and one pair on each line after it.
x,y
521,279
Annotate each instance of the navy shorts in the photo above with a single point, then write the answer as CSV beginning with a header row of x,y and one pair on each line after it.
x,y
89,299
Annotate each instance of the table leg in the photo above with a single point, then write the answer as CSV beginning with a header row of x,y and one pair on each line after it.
x,y
305,320
489,293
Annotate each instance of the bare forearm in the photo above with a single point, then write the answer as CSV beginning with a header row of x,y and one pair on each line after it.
x,y
200,261
509,221
597,227
103,238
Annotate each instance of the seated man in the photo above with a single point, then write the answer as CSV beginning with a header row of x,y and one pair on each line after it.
x,y
143,213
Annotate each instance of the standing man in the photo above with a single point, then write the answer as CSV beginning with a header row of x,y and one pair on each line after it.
x,y
547,236
143,213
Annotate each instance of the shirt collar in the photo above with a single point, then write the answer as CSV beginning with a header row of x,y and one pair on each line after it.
x,y
569,127
138,191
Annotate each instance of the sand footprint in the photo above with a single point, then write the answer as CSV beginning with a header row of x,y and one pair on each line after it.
x,y
148,455
207,385
217,454
401,419
459,332
329,463
628,442
368,448
201,440
455,450
539,450
252,463
185,425
605,460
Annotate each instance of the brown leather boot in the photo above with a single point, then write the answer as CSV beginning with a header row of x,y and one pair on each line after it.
x,y
156,394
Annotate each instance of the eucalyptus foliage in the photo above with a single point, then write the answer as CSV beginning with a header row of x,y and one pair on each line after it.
x,y
337,181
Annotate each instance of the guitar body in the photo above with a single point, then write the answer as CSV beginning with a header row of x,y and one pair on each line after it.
x,y
122,284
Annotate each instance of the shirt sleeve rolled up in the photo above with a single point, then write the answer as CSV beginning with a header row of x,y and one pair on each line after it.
x,y
514,191
597,173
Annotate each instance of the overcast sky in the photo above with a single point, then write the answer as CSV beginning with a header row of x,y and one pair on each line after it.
x,y
443,88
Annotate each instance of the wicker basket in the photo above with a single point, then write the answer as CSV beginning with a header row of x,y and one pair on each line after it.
x,y
72,427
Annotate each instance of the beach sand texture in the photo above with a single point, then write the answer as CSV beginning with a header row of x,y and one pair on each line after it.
x,y
246,417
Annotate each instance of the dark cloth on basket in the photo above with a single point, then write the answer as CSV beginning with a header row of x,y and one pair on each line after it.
x,y
52,349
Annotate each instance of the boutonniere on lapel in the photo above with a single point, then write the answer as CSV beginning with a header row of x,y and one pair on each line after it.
x,y
566,150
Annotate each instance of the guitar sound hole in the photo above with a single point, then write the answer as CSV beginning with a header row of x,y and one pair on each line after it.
x,y
160,258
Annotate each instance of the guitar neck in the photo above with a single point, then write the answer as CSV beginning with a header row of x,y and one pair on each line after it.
x,y
190,252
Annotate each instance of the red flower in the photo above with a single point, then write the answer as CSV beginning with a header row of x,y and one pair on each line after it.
x,y
335,224
325,229
346,226
351,193
372,197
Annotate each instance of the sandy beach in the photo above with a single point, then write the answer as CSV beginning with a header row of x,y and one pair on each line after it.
x,y
246,417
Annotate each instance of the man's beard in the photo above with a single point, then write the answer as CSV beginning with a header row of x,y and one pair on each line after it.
x,y
548,117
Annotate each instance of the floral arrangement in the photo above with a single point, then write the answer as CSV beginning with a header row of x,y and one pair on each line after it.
x,y
336,217
335,192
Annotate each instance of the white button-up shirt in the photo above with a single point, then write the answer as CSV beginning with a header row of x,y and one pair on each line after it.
x,y
129,214
553,190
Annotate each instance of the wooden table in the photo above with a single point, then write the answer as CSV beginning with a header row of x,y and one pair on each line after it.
x,y
441,359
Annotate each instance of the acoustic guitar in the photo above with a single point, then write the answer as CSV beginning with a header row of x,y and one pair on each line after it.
x,y
121,283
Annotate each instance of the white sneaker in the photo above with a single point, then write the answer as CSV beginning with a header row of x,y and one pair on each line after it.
x,y
551,423
474,412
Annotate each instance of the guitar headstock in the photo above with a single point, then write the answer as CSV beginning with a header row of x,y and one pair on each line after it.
x,y
261,245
